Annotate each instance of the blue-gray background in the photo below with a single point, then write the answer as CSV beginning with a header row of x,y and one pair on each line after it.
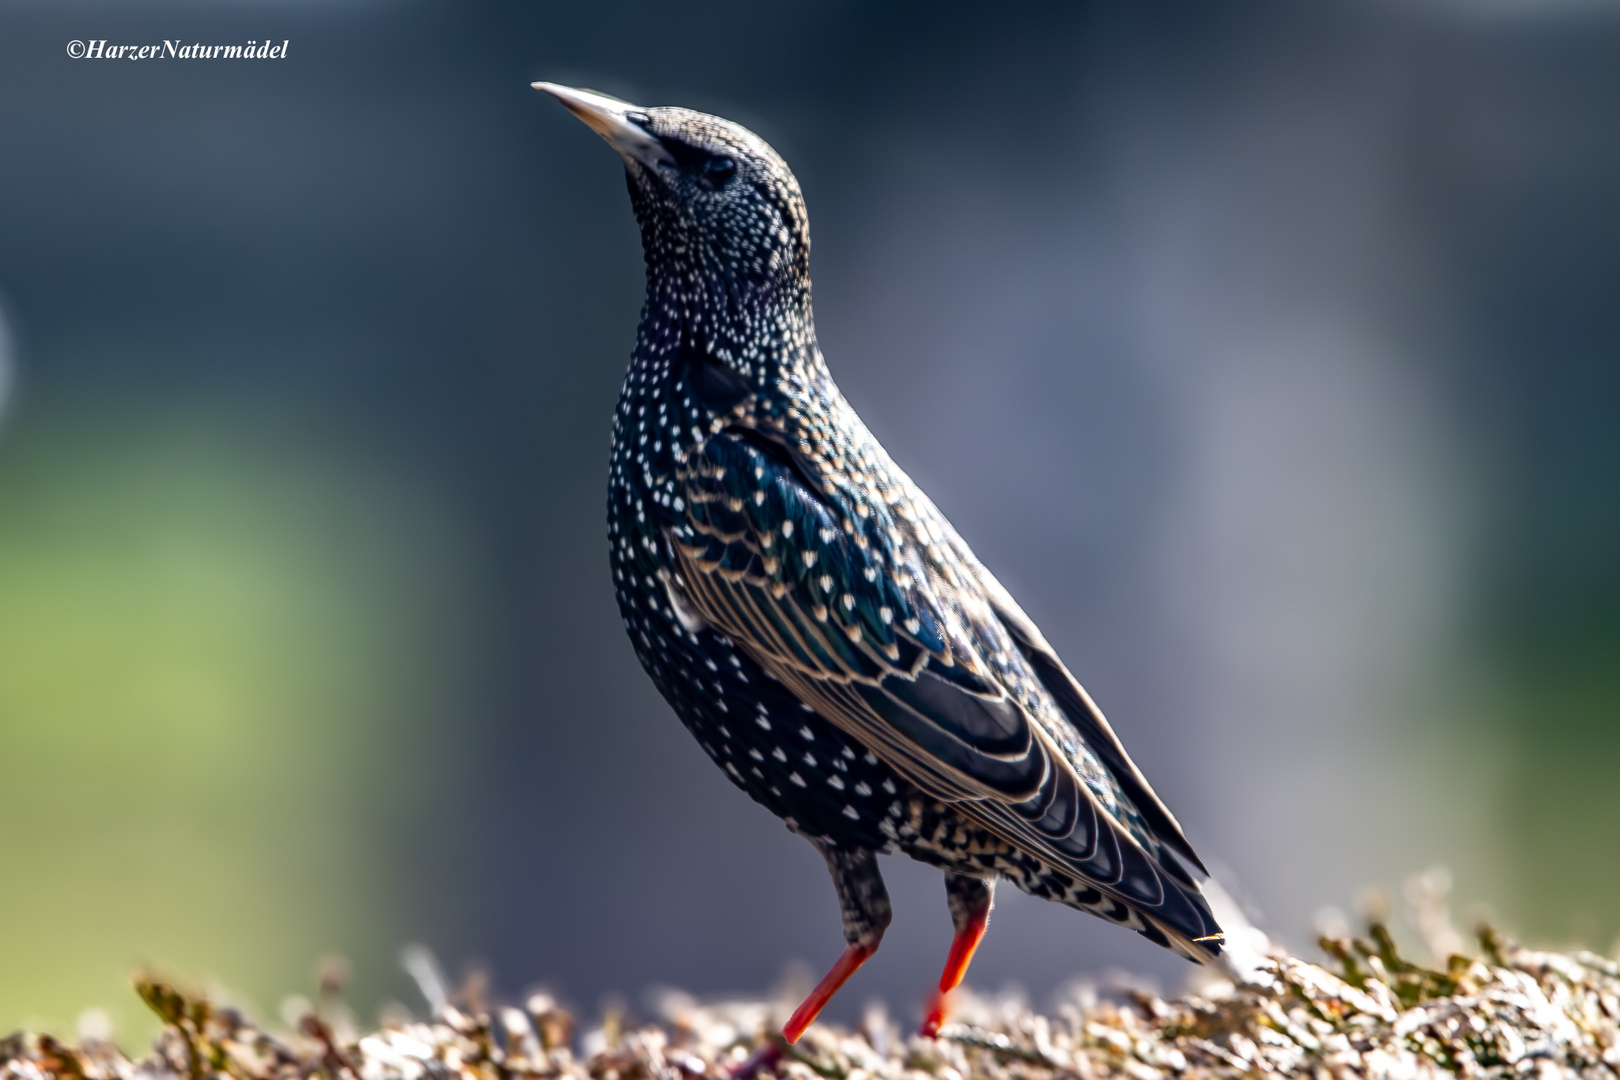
x,y
1266,351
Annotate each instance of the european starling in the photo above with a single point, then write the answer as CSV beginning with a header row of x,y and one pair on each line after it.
x,y
816,623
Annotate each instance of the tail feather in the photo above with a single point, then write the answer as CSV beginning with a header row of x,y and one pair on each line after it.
x,y
1182,922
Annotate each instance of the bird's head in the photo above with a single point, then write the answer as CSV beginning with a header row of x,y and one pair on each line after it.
x,y
715,203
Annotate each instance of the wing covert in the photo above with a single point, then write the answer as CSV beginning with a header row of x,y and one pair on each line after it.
x,y
832,593
842,606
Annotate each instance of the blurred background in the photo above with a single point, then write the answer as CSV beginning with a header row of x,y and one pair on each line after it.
x,y
1267,352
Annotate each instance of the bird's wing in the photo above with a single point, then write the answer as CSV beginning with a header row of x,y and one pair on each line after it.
x,y
872,618
1078,708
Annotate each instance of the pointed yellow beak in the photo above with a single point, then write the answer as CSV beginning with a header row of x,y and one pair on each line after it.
x,y
611,118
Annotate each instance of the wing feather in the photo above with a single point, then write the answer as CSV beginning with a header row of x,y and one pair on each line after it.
x,y
1088,719
883,622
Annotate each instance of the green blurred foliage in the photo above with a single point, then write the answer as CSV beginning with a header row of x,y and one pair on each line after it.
x,y
1559,806
213,708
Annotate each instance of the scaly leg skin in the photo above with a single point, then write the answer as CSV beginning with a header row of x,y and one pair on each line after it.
x,y
970,899
864,905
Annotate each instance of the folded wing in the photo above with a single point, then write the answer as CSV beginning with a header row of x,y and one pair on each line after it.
x,y
892,631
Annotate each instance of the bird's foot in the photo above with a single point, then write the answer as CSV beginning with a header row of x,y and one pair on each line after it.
x,y
934,1019
765,1059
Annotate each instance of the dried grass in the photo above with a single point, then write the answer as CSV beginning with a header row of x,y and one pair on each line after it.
x,y
1370,1012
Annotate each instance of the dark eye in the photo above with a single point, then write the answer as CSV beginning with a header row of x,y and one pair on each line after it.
x,y
717,172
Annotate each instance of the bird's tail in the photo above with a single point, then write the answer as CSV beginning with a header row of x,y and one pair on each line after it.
x,y
1182,921
1205,949
1199,938
1237,943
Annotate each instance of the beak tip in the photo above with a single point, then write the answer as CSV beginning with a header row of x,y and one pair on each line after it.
x,y
609,117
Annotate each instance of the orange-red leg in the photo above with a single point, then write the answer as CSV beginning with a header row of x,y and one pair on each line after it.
x,y
971,900
863,903
806,1013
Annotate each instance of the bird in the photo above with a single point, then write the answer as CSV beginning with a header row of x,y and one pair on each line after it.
x,y
814,620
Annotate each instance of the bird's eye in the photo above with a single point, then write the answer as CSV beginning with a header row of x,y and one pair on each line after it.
x,y
717,172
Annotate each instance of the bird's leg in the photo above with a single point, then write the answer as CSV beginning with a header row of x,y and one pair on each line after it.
x,y
864,903
970,900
